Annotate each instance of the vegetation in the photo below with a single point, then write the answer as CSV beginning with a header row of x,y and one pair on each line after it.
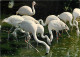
x,y
12,48
67,47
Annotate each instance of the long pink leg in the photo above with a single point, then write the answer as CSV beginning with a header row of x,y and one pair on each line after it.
x,y
57,36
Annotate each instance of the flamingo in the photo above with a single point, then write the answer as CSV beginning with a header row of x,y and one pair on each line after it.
x,y
30,26
66,16
76,14
56,25
13,20
26,10
48,19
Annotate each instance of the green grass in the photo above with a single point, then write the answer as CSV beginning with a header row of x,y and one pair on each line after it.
x,y
12,48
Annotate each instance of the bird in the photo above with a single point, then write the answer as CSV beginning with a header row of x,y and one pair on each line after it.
x,y
66,17
26,10
76,14
56,25
13,20
48,19
30,26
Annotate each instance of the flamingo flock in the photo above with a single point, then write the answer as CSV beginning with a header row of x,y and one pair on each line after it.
x,y
28,24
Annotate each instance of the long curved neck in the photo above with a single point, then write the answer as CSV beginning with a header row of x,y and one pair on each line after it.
x,y
44,24
42,42
51,35
33,9
48,40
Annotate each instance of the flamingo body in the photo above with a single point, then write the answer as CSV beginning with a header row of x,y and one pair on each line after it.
x,y
66,16
26,10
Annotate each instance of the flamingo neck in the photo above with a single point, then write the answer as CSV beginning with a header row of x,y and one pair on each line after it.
x,y
42,42
51,37
48,40
44,24
33,9
71,23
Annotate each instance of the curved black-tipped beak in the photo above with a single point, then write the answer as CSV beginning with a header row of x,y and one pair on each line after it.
x,y
46,53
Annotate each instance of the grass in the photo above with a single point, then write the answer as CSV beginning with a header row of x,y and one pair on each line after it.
x,y
66,46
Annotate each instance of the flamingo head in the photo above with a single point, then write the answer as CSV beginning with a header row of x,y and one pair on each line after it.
x,y
33,3
47,49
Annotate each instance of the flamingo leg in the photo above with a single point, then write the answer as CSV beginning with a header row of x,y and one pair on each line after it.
x,y
28,39
9,32
67,33
57,36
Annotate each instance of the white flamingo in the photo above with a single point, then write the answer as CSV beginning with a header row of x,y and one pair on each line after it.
x,y
30,26
26,10
56,25
13,20
48,19
76,14
66,16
